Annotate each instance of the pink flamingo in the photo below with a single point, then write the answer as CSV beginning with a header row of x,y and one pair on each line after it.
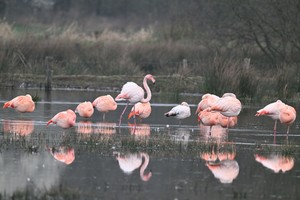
x,y
64,119
85,109
132,161
228,105
207,101
132,93
21,103
141,110
279,111
105,104
215,118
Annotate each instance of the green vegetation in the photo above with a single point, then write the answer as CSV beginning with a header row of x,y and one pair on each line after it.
x,y
185,40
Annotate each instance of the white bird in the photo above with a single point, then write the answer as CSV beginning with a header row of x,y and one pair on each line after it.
x,y
181,111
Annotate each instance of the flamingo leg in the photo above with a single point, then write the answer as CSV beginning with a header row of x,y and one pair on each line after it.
x,y
134,118
103,117
275,126
122,114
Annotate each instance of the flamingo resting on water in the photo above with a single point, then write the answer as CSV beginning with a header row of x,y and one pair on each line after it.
x,y
22,103
105,104
64,119
181,111
132,93
85,109
279,111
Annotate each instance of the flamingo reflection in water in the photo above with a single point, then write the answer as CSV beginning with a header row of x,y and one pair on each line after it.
x,y
105,128
84,127
276,162
18,127
132,161
220,161
140,131
64,154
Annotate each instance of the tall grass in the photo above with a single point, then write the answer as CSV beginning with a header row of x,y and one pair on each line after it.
x,y
108,52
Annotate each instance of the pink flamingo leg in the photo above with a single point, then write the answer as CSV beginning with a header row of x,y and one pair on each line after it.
x,y
122,114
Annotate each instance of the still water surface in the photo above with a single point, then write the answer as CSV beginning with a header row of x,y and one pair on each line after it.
x,y
159,158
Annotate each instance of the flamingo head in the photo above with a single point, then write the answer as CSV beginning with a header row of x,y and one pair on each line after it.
x,y
150,77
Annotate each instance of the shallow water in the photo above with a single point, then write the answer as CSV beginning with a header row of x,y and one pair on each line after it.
x,y
160,158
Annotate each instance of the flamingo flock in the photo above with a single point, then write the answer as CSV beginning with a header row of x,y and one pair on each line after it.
x,y
211,111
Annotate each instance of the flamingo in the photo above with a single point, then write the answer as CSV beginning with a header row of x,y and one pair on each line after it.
x,y
142,110
64,119
181,111
215,118
130,162
105,104
207,101
228,105
132,93
21,103
63,154
85,109
279,111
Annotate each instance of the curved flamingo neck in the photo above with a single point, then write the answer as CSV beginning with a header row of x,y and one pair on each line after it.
x,y
145,177
148,91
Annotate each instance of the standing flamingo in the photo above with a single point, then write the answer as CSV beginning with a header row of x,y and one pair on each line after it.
x,y
142,110
228,105
215,118
279,111
21,103
132,93
64,119
85,109
105,104
207,101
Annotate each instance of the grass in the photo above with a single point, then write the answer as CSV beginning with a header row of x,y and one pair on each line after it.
x,y
107,56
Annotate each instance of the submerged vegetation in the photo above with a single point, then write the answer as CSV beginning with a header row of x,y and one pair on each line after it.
x,y
171,40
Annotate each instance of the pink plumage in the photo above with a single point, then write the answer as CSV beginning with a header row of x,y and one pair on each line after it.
x,y
132,93
64,119
279,111
85,109
21,104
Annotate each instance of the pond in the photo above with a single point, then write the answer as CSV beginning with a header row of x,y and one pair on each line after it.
x,y
159,158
